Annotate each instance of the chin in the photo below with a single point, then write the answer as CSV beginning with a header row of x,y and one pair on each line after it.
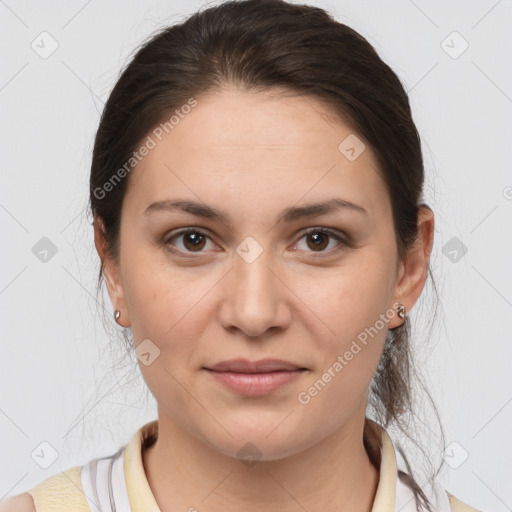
x,y
258,441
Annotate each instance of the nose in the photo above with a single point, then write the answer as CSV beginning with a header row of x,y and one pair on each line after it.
x,y
255,297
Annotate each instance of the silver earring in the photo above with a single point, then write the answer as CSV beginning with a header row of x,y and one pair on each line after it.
x,y
117,314
401,311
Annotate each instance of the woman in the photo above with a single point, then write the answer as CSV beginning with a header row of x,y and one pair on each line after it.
x,y
256,187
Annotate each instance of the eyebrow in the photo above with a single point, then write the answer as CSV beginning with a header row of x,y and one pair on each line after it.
x,y
287,215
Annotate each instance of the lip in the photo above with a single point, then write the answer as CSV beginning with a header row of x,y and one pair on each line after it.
x,y
256,384
261,366
255,378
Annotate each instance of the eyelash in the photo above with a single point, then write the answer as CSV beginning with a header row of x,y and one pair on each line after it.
x,y
343,240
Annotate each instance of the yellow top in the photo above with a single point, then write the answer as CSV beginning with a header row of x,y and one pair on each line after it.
x,y
64,490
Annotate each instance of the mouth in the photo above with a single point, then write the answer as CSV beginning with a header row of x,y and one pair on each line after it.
x,y
261,366
255,378
256,384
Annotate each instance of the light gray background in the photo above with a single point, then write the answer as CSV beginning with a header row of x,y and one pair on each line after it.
x,y
65,381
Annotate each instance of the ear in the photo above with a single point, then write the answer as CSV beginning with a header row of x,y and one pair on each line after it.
x,y
414,270
112,274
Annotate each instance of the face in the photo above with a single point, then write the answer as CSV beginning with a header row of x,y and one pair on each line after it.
x,y
264,280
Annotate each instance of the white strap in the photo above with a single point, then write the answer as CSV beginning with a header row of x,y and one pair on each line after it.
x,y
104,484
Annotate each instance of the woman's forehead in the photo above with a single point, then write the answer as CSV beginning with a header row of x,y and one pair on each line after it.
x,y
271,149
232,117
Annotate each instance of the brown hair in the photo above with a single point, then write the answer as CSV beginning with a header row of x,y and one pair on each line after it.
x,y
258,45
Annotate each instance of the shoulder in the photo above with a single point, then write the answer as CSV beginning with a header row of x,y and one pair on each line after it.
x,y
20,503
62,491
457,505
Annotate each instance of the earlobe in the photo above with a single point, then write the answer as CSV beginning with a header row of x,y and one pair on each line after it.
x,y
414,270
112,276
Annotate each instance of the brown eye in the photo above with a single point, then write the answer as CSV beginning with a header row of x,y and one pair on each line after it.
x,y
318,239
192,240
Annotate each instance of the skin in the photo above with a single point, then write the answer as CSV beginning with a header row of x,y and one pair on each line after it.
x,y
252,155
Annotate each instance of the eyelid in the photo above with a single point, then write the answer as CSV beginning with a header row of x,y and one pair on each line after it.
x,y
342,238
183,231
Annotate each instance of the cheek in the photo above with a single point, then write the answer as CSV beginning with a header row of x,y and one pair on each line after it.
x,y
166,307
348,301
159,295
353,305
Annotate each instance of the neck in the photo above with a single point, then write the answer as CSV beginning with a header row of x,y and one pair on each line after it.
x,y
335,474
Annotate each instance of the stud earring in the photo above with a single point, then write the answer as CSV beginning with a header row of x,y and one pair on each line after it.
x,y
117,314
401,311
